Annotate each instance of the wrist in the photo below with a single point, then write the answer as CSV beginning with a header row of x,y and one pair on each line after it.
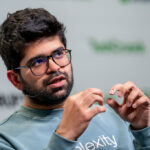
x,y
67,134
136,127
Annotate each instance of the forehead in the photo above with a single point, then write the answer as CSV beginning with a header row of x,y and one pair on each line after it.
x,y
43,46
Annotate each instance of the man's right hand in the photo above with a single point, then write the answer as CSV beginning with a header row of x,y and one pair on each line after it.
x,y
78,113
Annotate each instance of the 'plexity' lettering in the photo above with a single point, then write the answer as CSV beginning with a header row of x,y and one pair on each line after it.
x,y
102,141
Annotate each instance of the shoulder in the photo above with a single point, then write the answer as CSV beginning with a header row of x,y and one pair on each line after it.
x,y
7,122
10,124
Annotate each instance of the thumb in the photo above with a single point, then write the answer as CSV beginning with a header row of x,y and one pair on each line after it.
x,y
112,103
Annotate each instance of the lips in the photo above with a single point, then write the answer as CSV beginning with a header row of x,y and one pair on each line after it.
x,y
57,81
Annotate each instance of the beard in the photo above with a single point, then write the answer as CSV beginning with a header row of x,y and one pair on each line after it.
x,y
48,96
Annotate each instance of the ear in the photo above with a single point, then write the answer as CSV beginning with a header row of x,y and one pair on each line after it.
x,y
14,78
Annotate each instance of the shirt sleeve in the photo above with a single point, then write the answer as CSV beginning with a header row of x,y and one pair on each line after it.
x,y
5,146
141,138
59,143
56,143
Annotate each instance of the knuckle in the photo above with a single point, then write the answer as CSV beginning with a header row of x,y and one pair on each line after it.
x,y
143,98
90,90
75,103
140,93
71,99
116,85
137,90
92,96
85,116
130,83
147,100
97,110
119,84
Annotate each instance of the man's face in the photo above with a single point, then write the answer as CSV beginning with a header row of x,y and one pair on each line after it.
x,y
55,85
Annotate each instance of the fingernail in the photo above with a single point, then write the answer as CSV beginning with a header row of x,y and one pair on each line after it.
x,y
134,105
128,104
111,92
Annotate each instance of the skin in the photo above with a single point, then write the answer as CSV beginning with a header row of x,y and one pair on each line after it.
x,y
136,106
77,112
135,109
45,47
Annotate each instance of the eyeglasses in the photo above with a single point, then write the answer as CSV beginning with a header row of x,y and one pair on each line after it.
x,y
40,65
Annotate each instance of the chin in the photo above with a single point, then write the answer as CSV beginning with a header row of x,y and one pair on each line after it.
x,y
60,93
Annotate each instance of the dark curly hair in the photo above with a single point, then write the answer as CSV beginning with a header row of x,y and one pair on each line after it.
x,y
23,27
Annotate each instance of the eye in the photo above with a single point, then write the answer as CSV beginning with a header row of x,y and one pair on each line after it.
x,y
38,62
59,54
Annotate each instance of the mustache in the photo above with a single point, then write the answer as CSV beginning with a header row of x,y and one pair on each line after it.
x,y
55,74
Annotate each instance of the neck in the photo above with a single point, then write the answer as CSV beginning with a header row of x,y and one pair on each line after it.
x,y
28,103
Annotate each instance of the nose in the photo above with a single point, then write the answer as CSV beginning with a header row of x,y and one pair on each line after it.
x,y
53,67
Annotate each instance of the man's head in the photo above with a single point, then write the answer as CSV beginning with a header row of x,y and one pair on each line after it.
x,y
23,27
30,34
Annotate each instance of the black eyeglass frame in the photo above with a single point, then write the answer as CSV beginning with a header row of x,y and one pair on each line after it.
x,y
47,62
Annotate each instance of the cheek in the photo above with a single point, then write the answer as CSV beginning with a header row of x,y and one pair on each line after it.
x,y
25,73
69,72
31,79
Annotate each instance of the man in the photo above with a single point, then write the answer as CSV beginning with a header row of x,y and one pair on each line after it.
x,y
33,47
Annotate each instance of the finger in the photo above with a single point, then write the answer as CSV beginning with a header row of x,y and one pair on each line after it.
x,y
112,103
132,97
95,91
142,101
131,116
96,110
125,91
131,93
91,99
129,86
115,88
122,88
122,110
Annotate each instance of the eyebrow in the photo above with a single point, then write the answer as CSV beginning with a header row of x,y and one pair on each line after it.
x,y
42,56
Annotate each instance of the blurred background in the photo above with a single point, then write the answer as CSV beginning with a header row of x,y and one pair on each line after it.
x,y
110,42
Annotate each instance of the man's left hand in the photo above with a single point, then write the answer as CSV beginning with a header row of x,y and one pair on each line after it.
x,y
135,107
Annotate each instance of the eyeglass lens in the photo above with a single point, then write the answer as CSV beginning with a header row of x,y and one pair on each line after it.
x,y
40,65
